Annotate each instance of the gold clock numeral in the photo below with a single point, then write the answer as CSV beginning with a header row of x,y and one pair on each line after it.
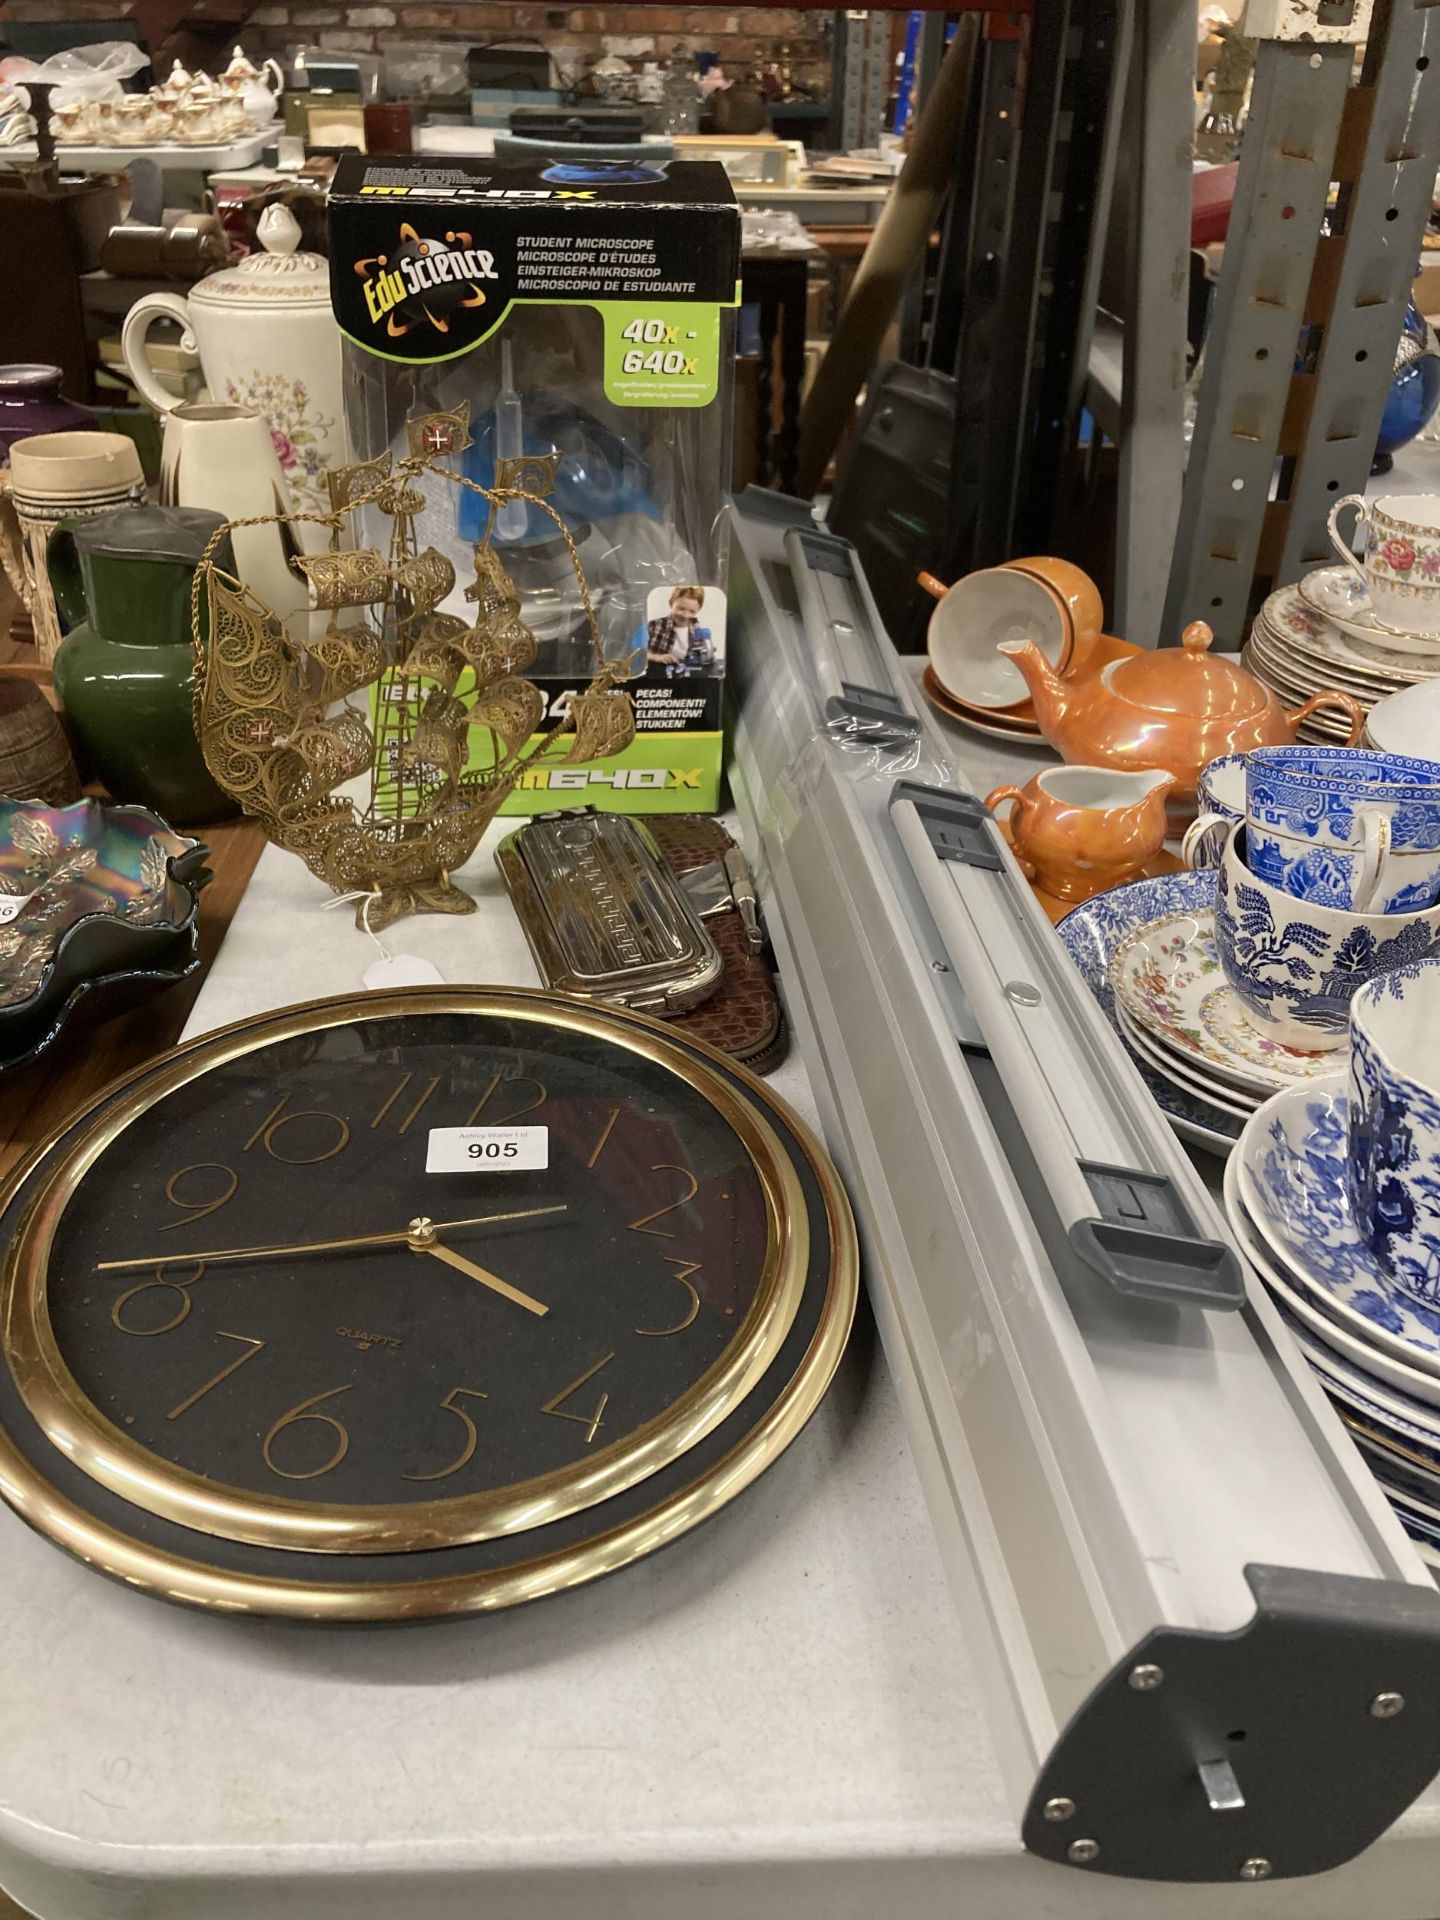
x,y
198,1209
590,1421
467,1452
683,1270
643,1224
412,1113
275,1122
605,1134
498,1080
297,1415
233,1366
181,1288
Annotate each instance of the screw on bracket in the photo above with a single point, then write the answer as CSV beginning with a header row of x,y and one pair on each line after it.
x,y
1081,1852
1256,1869
1146,1678
1385,1706
1060,1808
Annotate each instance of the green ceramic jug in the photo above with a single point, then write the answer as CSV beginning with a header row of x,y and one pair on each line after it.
x,y
125,672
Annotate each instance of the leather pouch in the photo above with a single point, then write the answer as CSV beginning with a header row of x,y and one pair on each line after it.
x,y
743,1018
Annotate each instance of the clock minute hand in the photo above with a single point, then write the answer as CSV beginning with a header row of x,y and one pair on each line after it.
x,y
216,1255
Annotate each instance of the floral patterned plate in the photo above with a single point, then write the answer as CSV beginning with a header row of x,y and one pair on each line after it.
x,y
1292,1182
1231,1099
1287,611
1167,977
1343,600
1311,673
1310,676
90,894
1416,1392
1091,932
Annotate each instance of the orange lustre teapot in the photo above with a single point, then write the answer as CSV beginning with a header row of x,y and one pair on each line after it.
x,y
1173,708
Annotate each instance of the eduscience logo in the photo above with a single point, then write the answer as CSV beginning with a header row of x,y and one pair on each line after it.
x,y
424,280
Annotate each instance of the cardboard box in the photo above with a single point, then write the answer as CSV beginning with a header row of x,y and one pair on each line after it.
x,y
582,315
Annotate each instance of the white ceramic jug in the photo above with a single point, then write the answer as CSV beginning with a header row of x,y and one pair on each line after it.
x,y
222,458
267,339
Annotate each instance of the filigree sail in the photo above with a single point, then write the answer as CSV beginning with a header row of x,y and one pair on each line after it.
x,y
448,724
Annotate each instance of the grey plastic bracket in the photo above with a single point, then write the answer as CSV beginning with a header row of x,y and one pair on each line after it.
x,y
1145,1245
829,553
778,509
884,713
957,825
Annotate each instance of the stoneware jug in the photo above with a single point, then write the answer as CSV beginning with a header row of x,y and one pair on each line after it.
x,y
267,339
125,672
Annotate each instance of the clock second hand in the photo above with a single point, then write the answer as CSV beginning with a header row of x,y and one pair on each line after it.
x,y
403,1238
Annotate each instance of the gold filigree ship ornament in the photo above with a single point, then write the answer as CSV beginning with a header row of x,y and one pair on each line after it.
x,y
449,723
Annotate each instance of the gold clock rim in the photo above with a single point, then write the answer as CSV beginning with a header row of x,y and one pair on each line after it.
x,y
73,1424
155,1571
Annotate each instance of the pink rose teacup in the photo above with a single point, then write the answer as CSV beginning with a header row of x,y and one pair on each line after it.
x,y
1401,568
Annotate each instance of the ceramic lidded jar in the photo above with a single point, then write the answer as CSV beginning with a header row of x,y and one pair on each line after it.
x,y
267,339
125,672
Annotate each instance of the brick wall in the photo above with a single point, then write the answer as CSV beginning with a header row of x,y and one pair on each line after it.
x,y
575,36
198,30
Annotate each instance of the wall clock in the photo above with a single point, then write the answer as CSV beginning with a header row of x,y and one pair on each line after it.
x,y
257,1358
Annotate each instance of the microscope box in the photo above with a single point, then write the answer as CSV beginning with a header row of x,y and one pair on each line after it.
x,y
578,315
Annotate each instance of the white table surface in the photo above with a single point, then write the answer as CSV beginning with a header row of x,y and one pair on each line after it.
x,y
169,157
775,1717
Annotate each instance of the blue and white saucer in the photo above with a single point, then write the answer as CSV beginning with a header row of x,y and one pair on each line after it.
x,y
1402,1423
1091,934
1293,1185
1415,1394
1423,1532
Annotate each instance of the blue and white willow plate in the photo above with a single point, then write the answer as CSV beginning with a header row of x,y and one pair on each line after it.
x,y
1395,1417
1093,931
1425,1533
1417,1392
1292,1182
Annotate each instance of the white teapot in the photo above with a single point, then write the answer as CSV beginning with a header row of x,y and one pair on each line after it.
x,y
179,82
267,339
245,82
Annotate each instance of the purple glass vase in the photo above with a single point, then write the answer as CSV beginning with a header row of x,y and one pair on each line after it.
x,y
31,402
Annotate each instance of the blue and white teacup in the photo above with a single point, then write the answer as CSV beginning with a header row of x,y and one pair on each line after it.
x,y
1393,1163
1344,826
1296,964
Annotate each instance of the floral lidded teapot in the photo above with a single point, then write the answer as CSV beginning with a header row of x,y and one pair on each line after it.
x,y
1172,708
245,82
267,339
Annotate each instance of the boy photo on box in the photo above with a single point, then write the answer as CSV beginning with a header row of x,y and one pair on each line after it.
x,y
676,643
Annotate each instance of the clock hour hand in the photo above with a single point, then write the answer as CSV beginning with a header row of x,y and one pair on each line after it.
x,y
215,1256
420,1244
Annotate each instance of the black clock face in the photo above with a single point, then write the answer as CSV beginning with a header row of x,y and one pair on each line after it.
x,y
239,1306
380,1374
